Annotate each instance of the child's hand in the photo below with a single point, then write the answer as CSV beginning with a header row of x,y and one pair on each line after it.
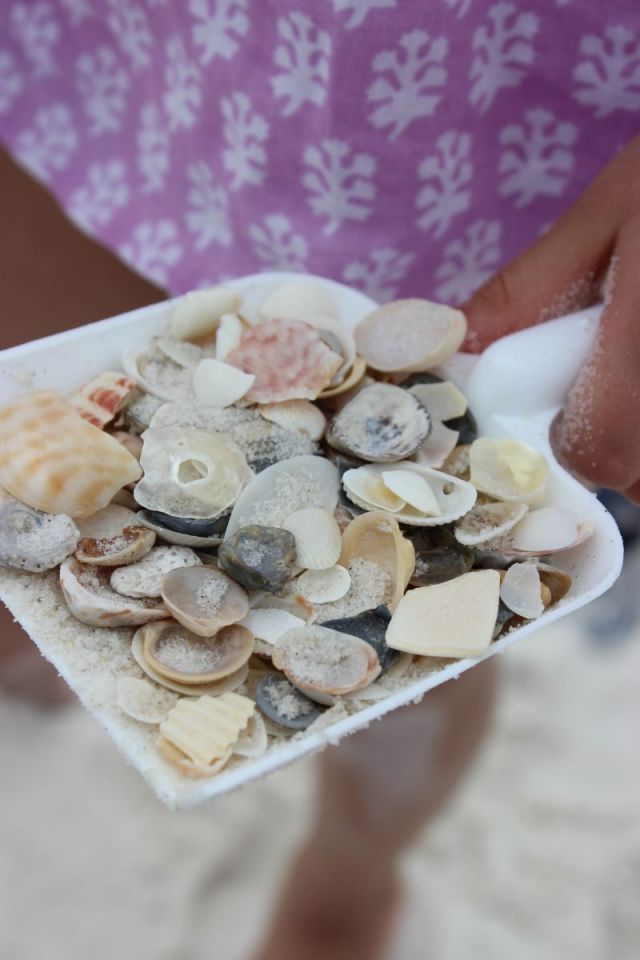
x,y
597,435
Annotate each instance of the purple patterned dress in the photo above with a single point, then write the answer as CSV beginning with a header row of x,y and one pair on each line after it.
x,y
403,146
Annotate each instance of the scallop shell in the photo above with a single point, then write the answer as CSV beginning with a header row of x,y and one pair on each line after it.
x,y
443,400
299,300
289,360
203,732
227,684
319,660
283,704
451,619
153,371
507,469
131,545
203,599
269,624
486,521
102,399
317,536
180,655
280,490
520,590
53,460
190,473
32,540
145,578
230,330
410,335
144,702
198,313
324,586
382,423
300,415
377,537
91,600
218,384
546,531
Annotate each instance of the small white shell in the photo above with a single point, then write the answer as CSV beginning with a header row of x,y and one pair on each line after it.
x,y
440,443
410,335
366,488
108,522
301,415
548,530
253,741
324,586
444,401
414,490
203,599
520,590
270,623
218,384
198,313
145,578
299,300
485,521
129,546
230,330
156,374
317,536
181,353
231,682
319,660
144,702
507,469
92,601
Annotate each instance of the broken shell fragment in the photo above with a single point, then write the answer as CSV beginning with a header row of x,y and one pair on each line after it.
x,y
438,446
130,441
230,330
353,377
300,415
155,373
180,655
253,741
548,530
155,521
443,400
410,335
260,558
53,460
317,537
179,352
366,488
145,578
507,469
370,626
270,623
102,399
485,521
108,522
199,735
457,463
324,586
215,689
299,300
144,702
218,384
91,600
325,661
439,556
203,599
557,581
32,540
282,703
190,473
382,423
141,411
198,313
452,619
376,537
129,546
520,590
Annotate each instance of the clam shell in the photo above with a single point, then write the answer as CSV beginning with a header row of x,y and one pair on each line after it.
x,y
452,619
102,399
507,469
108,522
300,415
485,521
325,661
143,701
317,536
280,490
190,473
131,545
366,488
198,313
546,531
34,541
269,624
260,558
282,703
145,578
410,335
203,599
218,384
443,400
230,330
299,300
382,423
179,655
91,600
324,586
414,490
53,460
155,373
205,730
225,685
376,537
520,590
253,741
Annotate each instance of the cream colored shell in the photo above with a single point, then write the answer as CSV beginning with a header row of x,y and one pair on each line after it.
x,y
317,536
205,730
377,537
198,313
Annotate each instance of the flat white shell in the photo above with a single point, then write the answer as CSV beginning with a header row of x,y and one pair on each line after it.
x,y
507,469
414,490
324,586
444,401
440,443
301,415
520,590
548,530
218,384
270,623
299,300
317,536
488,520
144,702
145,578
172,384
180,352
451,619
198,313
366,488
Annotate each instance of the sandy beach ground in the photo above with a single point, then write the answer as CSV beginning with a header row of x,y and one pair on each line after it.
x,y
538,855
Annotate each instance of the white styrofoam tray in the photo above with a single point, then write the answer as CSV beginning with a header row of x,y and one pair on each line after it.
x,y
514,389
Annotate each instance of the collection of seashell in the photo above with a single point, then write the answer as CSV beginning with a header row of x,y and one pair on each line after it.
x,y
291,516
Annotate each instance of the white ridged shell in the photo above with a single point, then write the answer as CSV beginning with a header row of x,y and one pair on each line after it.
x,y
366,488
317,536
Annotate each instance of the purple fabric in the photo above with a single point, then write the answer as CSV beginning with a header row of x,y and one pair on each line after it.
x,y
404,146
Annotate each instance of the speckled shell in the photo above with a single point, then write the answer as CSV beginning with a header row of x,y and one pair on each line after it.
x,y
53,460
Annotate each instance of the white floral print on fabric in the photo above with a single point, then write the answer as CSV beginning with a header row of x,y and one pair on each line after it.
x,y
608,75
359,9
503,51
303,56
340,182
276,244
461,7
381,274
469,261
220,24
245,133
96,202
37,31
182,96
153,249
537,157
49,143
447,191
102,84
77,10
10,80
207,215
153,157
130,27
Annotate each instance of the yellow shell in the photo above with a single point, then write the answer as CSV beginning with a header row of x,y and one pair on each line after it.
x,y
53,460
376,536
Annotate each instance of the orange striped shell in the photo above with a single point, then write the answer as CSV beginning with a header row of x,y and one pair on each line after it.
x,y
100,400
53,460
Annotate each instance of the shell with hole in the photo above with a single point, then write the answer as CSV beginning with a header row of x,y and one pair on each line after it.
x,y
129,546
300,415
203,599
53,460
377,537
91,600
231,682
190,473
507,469
32,540
198,313
318,660
184,657
198,736
317,536
382,423
102,399
145,578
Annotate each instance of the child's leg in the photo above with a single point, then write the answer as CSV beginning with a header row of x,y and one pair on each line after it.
x,y
376,792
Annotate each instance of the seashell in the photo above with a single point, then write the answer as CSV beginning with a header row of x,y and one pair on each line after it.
x,y
442,400
129,546
53,460
91,600
366,488
156,374
270,623
485,521
547,530
299,300
520,590
325,661
452,619
353,380
102,399
192,527
414,490
324,586
183,354
507,469
317,537
203,599
215,689
382,423
339,339
300,415
190,473
198,313
457,463
218,384
108,522
149,518
376,537
142,701
282,703
282,489
229,334
288,358
557,581
32,540
180,655
145,578
439,556
141,412
124,498
438,446
410,335
260,558
198,736
253,741
292,603
130,441
370,626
